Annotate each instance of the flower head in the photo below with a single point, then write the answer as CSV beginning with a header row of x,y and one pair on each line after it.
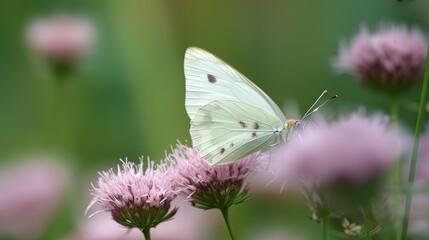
x,y
61,38
391,60
31,192
351,229
211,186
136,197
354,149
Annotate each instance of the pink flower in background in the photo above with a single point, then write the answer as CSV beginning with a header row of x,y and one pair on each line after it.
x,y
211,186
391,59
31,193
188,224
136,197
422,168
102,227
61,38
355,148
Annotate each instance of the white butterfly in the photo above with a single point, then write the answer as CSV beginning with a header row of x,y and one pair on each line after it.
x,y
230,116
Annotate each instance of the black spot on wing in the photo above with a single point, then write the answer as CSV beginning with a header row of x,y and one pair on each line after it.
x,y
256,126
243,124
253,134
222,150
211,78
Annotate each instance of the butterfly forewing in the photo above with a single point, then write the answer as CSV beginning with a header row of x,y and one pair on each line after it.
x,y
208,78
226,130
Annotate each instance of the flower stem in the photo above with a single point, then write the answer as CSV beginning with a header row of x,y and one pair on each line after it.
x,y
395,171
227,222
419,123
393,108
394,113
367,214
325,226
146,233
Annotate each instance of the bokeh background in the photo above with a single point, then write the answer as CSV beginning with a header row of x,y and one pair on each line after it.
x,y
125,98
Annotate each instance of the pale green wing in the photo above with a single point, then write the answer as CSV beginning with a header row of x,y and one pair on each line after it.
x,y
208,78
226,130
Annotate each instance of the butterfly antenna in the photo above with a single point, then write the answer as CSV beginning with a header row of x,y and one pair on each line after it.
x,y
321,105
314,104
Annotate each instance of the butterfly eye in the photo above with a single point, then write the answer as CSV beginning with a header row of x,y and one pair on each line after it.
x,y
299,124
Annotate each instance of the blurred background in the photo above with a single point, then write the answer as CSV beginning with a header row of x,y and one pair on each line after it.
x,y
124,96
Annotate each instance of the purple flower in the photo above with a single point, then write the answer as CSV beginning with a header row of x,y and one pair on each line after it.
x,y
353,149
188,223
422,169
391,60
211,186
60,38
31,192
136,197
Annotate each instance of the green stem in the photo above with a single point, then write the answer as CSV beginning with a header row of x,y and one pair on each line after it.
x,y
394,112
324,226
228,224
395,171
394,108
419,123
146,233
367,215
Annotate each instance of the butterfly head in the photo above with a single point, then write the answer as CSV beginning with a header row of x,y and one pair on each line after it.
x,y
294,123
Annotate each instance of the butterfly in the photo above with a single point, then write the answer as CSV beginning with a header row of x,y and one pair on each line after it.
x,y
230,116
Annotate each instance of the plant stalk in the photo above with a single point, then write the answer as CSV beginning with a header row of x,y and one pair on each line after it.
x,y
225,215
325,226
146,233
411,174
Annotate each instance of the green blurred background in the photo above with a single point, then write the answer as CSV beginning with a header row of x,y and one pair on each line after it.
x,y
126,98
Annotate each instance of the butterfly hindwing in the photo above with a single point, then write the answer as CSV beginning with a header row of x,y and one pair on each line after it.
x,y
226,130
208,78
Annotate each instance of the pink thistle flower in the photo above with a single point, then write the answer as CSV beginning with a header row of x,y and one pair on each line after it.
x,y
135,197
62,39
211,186
391,60
353,149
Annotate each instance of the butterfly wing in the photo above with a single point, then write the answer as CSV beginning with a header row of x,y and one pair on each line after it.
x,y
226,130
208,78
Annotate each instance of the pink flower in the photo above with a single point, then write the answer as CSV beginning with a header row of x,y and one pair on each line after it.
x,y
188,224
355,148
211,186
31,192
61,38
391,59
136,197
422,168
102,227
